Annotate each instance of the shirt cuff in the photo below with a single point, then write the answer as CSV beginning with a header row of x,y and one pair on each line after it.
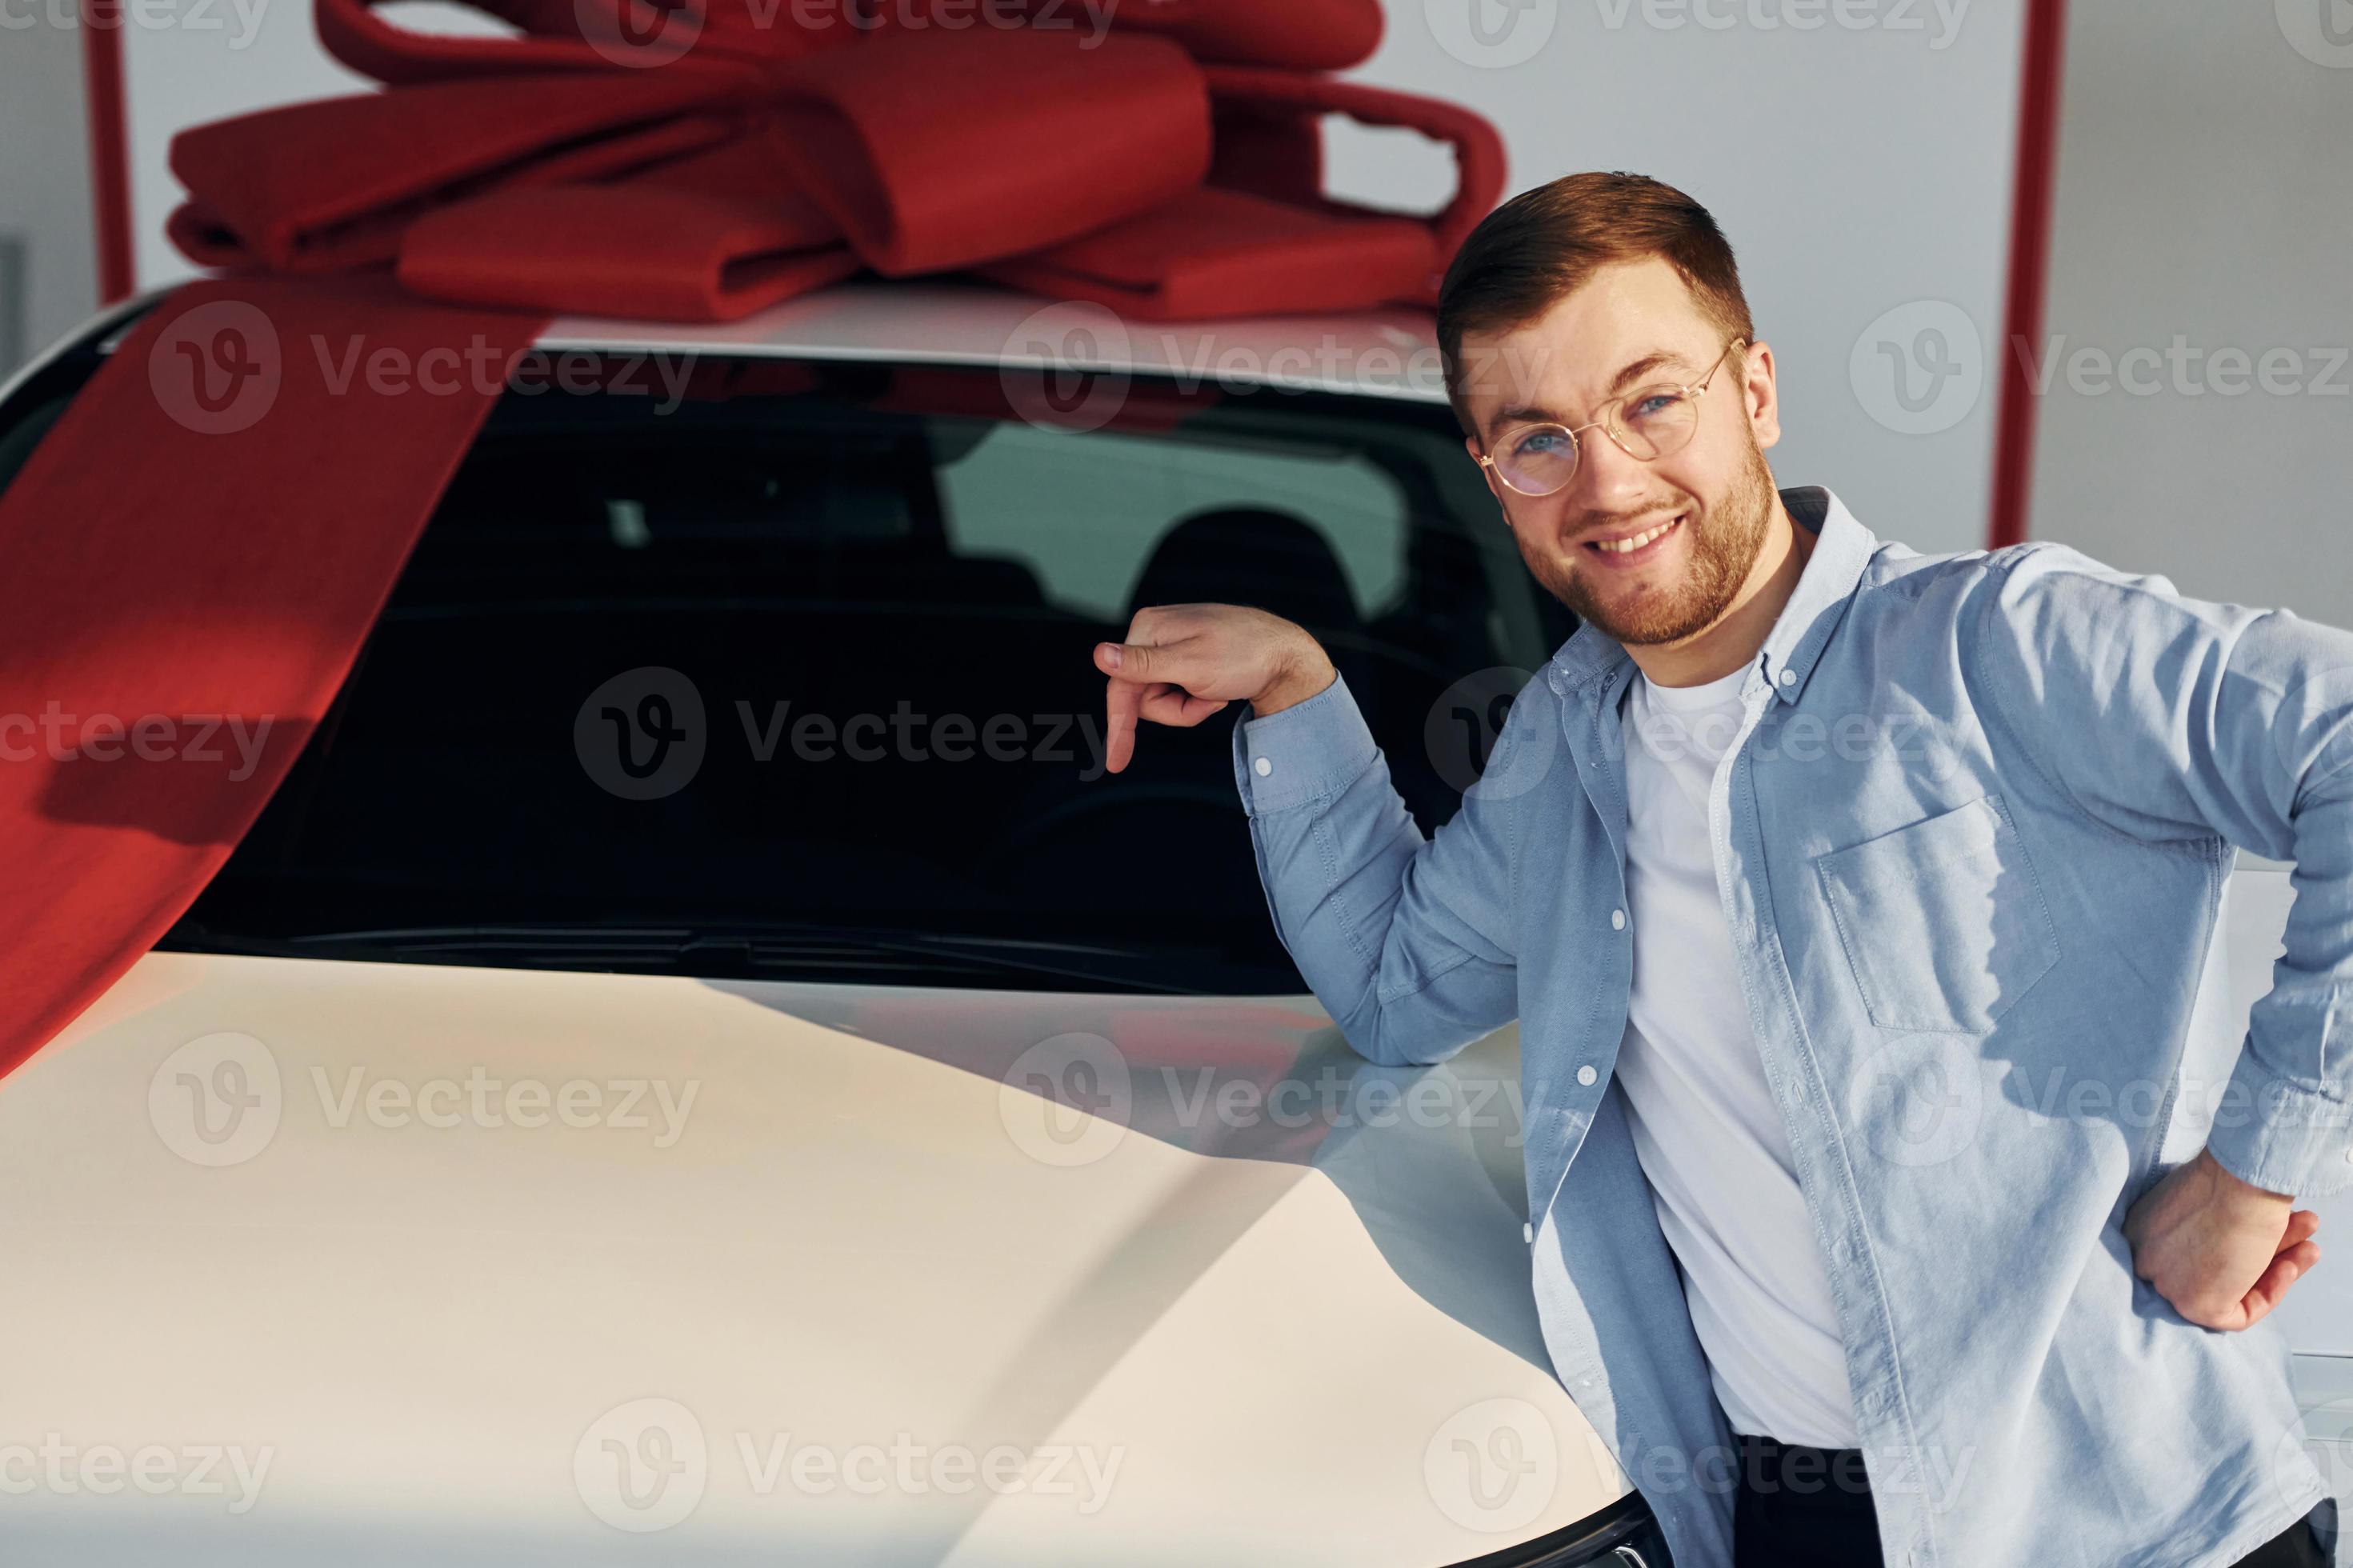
x,y
2281,1136
1307,751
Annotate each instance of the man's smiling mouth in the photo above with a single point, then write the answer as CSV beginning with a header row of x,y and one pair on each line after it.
x,y
1634,544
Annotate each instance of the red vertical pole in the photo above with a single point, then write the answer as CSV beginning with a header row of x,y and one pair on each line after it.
x,y
109,151
2029,257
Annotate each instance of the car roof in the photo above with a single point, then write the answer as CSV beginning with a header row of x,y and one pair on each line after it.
x,y
1387,354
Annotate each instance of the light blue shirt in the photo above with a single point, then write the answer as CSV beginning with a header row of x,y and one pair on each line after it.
x,y
1973,835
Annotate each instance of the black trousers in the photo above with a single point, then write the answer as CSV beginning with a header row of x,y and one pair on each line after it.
x,y
1811,1508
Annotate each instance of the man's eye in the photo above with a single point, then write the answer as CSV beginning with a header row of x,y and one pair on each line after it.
x,y
1540,444
1650,404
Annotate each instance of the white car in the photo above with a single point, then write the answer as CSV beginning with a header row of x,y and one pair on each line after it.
x,y
699,1064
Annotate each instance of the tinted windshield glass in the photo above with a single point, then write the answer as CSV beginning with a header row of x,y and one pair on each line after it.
x,y
794,676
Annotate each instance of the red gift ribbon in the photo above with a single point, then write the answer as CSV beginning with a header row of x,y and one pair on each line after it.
x,y
170,566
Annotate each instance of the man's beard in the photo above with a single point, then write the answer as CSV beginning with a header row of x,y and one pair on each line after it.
x,y
1725,543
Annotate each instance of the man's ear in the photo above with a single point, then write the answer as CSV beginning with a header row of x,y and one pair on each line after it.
x,y
1487,472
1760,396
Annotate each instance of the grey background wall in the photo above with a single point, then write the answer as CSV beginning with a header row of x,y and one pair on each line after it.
x,y
44,218
2205,196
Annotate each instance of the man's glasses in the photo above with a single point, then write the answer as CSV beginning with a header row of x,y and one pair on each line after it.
x,y
1648,424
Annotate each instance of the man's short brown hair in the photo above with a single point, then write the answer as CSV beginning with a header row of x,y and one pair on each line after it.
x,y
1533,250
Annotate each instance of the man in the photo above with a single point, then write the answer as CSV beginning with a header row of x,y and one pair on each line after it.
x,y
1853,992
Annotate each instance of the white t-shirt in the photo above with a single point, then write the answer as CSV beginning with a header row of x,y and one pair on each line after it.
x,y
1706,1128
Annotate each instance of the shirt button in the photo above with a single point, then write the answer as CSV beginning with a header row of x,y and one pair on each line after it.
x,y
1617,919
1263,767
1527,1232
1586,1075
1789,677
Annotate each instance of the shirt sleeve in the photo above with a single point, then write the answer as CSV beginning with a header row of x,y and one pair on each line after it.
x,y
1407,940
2169,717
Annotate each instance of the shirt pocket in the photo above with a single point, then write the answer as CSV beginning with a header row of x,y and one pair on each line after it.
x,y
1943,923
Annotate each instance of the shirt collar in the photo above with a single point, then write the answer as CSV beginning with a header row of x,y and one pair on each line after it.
x,y
1842,546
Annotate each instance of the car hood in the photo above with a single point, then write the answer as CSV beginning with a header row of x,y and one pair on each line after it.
x,y
505,1265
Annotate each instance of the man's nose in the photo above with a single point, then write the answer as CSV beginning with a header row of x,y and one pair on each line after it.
x,y
1608,477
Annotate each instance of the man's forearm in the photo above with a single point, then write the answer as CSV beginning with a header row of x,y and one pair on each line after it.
x,y
1404,941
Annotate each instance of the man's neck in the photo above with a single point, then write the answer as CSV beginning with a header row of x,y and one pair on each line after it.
x,y
1732,638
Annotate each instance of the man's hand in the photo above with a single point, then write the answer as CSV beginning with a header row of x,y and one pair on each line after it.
x,y
2221,1251
1183,662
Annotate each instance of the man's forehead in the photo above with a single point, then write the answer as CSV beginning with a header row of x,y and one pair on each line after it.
x,y
1583,345
1534,375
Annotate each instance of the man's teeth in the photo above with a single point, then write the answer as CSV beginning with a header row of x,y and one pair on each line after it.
x,y
1621,546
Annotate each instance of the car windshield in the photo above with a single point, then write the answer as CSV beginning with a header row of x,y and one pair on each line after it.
x,y
791,676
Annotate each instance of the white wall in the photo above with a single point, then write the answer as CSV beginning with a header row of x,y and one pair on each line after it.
x,y
2205,192
45,195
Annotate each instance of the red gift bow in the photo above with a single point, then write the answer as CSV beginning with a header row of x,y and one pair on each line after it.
x,y
169,567
583,35
754,154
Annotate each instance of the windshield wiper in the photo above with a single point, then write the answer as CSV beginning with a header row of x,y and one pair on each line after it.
x,y
850,952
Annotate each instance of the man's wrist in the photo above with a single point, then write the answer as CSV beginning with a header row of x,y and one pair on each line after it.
x,y
1307,676
2237,1187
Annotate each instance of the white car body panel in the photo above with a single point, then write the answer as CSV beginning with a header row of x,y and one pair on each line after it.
x,y
848,1239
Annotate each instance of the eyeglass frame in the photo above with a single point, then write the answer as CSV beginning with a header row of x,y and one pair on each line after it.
x,y
1695,391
